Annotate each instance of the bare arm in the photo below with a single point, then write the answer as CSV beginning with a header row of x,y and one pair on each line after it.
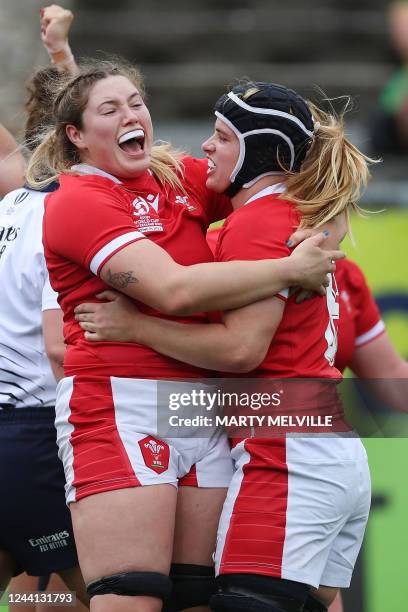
x,y
54,340
55,26
145,272
379,360
12,163
238,344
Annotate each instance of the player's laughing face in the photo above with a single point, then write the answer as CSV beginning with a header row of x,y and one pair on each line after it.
x,y
222,151
116,134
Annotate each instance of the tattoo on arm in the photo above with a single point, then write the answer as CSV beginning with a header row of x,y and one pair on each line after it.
x,y
120,280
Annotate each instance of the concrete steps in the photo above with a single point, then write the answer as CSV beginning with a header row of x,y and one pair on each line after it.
x,y
189,52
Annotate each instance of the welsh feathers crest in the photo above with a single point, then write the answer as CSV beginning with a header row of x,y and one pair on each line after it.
x,y
156,454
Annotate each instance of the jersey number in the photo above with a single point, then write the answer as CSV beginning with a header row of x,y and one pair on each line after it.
x,y
333,309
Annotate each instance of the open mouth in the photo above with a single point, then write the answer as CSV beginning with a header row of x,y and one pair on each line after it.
x,y
132,142
211,165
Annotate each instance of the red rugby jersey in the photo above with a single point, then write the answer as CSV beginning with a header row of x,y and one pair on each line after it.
x,y
93,216
305,341
360,320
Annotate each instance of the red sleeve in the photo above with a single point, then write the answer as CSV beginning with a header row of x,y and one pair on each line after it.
x,y
87,221
368,319
258,230
216,206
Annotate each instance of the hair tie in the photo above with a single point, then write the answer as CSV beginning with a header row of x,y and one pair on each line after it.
x,y
316,126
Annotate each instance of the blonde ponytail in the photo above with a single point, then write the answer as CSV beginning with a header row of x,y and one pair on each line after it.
x,y
333,174
39,172
166,165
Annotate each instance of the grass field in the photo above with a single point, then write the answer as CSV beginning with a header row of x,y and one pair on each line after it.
x,y
382,251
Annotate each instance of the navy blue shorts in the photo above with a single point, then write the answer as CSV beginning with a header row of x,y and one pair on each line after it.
x,y
35,523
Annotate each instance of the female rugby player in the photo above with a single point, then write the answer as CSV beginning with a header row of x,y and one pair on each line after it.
x,y
133,216
296,509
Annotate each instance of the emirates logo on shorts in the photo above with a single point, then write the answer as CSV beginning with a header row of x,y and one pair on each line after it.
x,y
156,454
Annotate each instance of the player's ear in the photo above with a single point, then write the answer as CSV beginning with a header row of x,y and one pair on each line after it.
x,y
75,136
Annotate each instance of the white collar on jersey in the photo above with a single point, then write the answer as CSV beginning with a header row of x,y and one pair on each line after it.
x,y
87,169
277,188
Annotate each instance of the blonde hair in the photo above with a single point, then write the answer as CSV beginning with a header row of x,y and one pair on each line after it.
x,y
56,153
333,174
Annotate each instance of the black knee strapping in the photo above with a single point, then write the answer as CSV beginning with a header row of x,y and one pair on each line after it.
x,y
256,593
314,605
193,585
149,584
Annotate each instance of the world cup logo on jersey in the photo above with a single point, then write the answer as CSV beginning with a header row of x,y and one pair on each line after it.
x,y
141,207
155,453
145,215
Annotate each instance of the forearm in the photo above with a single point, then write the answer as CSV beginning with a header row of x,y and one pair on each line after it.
x,y
55,27
393,390
178,290
393,393
64,61
385,371
231,285
54,340
238,344
234,284
145,272
57,368
55,354
212,346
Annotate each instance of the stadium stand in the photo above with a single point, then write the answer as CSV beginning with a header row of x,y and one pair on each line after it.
x,y
190,54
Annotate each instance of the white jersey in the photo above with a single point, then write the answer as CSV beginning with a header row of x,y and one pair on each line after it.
x,y
26,378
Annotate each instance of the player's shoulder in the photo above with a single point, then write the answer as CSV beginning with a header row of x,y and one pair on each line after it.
x,y
75,189
275,207
269,213
73,182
